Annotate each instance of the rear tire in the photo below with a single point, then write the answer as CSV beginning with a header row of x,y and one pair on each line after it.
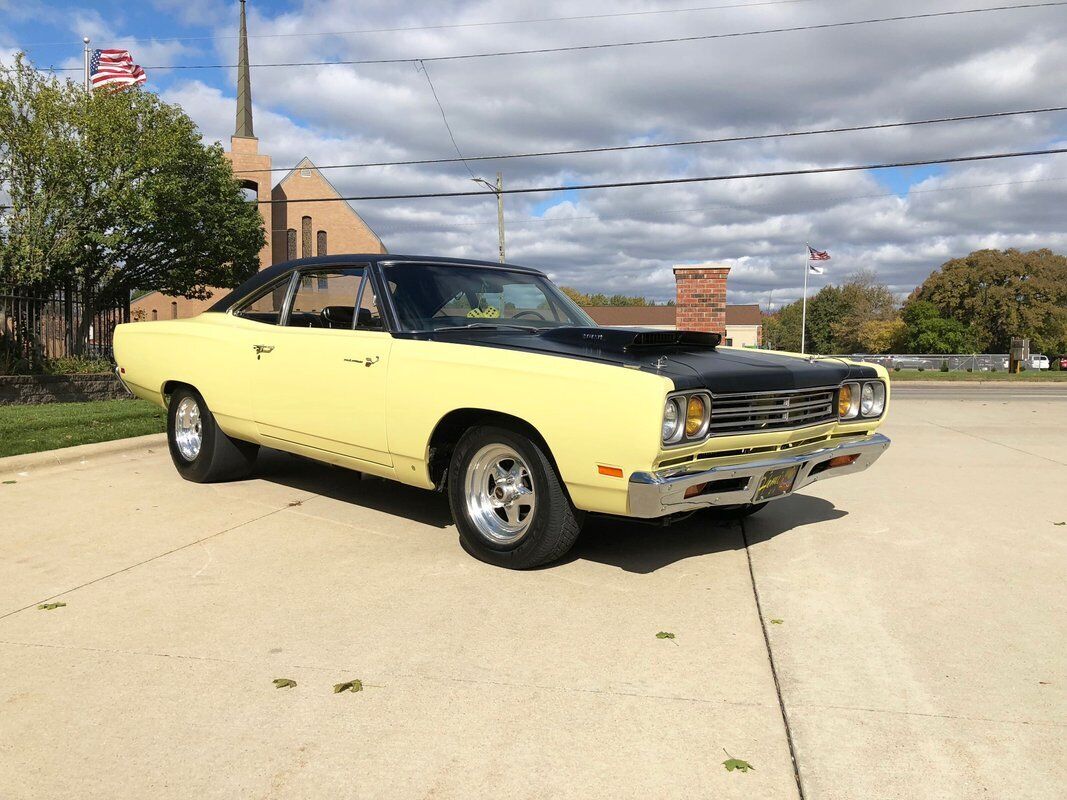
x,y
508,503
201,452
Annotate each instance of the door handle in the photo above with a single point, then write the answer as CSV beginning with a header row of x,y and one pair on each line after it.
x,y
262,348
369,362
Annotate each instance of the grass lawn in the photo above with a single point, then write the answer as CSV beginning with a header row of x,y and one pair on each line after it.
x,y
30,429
1030,376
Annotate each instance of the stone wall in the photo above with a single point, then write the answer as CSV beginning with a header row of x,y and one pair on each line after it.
x,y
29,389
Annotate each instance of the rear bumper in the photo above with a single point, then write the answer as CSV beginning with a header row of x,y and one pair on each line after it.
x,y
656,495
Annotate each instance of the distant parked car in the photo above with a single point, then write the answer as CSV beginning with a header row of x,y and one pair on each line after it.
x,y
1039,362
1063,363
911,362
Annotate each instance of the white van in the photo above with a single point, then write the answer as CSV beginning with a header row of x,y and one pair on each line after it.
x,y
1039,362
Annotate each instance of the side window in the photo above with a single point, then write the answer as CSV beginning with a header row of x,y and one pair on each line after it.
x,y
265,307
369,318
326,298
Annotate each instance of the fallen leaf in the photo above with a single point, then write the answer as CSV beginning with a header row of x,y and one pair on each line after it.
x,y
284,683
1044,683
10,481
776,622
664,635
736,763
50,606
348,686
1054,523
295,503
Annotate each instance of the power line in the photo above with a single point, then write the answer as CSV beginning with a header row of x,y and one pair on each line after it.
x,y
671,181
683,143
604,46
444,118
454,25
668,211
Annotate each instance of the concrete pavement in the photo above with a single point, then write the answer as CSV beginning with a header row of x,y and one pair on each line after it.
x,y
920,650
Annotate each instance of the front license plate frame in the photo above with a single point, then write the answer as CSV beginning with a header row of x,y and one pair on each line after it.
x,y
776,482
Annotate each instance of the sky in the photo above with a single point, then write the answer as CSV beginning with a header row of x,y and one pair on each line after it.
x,y
901,223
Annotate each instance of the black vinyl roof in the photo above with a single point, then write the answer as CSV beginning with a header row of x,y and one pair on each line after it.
x,y
271,273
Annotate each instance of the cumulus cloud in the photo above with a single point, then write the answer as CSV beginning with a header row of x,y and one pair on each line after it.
x,y
626,240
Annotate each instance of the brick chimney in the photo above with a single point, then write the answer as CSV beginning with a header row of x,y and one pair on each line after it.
x,y
701,297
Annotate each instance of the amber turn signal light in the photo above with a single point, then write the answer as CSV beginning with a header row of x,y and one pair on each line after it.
x,y
844,400
611,472
842,461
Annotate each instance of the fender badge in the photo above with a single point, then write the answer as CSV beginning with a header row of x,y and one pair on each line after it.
x,y
660,362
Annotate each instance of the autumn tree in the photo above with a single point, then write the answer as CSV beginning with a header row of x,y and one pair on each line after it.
x,y
837,317
998,294
600,299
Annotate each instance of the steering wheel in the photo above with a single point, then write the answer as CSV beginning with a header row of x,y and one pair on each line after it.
x,y
536,314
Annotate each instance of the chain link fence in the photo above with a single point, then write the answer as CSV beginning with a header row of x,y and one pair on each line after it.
x,y
960,362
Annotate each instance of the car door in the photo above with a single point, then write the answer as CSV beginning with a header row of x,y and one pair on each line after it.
x,y
319,377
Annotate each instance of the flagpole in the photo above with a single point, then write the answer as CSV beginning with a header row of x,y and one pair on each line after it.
x,y
85,58
804,305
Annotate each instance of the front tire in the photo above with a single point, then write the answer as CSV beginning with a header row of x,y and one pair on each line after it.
x,y
508,503
201,452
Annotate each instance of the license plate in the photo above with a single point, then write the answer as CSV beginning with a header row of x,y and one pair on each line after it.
x,y
776,483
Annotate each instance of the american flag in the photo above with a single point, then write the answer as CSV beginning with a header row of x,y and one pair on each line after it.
x,y
114,68
816,255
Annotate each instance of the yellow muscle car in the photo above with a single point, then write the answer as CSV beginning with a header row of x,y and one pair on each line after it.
x,y
485,381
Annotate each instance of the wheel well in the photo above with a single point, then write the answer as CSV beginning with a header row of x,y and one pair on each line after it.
x,y
454,424
170,386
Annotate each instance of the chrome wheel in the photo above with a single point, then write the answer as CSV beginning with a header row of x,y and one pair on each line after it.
x,y
500,494
188,434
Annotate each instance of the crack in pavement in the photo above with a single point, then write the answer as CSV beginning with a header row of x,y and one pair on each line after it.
x,y
994,441
396,675
933,715
774,668
141,563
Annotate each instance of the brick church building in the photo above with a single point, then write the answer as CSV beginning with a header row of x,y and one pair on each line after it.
x,y
293,229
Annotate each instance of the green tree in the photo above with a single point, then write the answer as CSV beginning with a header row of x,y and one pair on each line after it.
x,y
113,192
926,331
998,294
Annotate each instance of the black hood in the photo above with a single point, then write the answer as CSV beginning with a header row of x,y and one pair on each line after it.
x,y
689,358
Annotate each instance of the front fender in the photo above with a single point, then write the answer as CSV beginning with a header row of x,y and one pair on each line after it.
x,y
589,414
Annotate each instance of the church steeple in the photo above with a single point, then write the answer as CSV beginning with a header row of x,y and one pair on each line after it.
x,y
244,85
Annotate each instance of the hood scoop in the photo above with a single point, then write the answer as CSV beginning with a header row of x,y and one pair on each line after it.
x,y
632,340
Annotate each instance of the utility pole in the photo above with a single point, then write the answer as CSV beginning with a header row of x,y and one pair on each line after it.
x,y
500,211
498,190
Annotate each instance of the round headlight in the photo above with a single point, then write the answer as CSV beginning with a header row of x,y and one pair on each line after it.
x,y
867,399
848,400
696,413
672,420
872,401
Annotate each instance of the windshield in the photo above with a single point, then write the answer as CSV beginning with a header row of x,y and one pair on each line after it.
x,y
439,296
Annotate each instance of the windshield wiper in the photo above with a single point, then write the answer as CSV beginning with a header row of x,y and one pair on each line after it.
x,y
486,326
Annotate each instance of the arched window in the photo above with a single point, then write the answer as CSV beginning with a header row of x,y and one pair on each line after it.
x,y
305,237
320,244
290,244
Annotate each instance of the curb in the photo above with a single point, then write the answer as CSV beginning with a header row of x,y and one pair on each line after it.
x,y
79,453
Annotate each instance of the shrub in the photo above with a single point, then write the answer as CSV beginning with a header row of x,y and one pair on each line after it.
x,y
944,366
77,365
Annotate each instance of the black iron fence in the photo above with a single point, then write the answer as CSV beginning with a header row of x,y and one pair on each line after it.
x,y
70,322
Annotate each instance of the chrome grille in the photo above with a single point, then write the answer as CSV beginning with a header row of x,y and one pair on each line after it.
x,y
765,411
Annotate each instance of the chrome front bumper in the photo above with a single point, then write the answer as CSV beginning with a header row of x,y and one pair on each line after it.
x,y
659,494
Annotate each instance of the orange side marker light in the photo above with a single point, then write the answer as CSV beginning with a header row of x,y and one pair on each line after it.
x,y
611,472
